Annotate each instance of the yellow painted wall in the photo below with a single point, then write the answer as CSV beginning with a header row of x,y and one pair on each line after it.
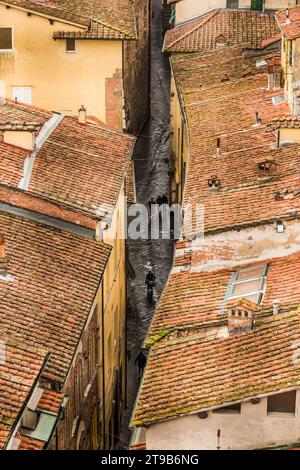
x,y
291,73
115,308
61,81
179,145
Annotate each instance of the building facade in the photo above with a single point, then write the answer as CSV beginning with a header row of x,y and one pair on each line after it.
x,y
62,57
67,209
211,380
188,9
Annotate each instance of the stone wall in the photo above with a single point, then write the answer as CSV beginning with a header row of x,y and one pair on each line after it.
x,y
137,70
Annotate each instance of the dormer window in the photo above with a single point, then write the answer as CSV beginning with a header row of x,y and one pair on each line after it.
x,y
248,283
6,43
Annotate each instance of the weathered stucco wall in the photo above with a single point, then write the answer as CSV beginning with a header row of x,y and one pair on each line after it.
x,y
60,80
253,428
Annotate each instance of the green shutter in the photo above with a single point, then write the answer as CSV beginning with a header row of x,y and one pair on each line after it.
x,y
257,5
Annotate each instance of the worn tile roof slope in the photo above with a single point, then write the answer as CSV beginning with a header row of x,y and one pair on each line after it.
x,y
204,371
243,143
52,283
194,72
20,366
290,26
80,165
194,299
111,19
234,27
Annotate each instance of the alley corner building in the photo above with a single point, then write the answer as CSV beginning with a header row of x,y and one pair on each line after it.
x,y
61,55
223,362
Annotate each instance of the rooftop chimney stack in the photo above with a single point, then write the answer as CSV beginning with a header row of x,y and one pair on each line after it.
x,y
3,258
276,307
287,16
257,118
82,115
240,315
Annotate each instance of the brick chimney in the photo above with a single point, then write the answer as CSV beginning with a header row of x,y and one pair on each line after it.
x,y
240,315
3,258
82,115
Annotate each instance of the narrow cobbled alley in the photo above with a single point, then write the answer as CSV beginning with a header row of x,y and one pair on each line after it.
x,y
152,180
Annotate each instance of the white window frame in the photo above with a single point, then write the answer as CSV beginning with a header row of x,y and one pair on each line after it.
x,y
22,88
12,39
259,292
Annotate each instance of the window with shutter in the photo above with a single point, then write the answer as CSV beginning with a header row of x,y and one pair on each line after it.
x,y
5,39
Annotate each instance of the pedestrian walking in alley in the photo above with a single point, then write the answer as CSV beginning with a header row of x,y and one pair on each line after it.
x,y
141,361
151,202
158,200
150,281
164,199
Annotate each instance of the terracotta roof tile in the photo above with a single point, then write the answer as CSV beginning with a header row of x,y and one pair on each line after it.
x,y
28,443
20,366
234,27
50,401
290,26
34,305
82,166
208,370
193,299
112,19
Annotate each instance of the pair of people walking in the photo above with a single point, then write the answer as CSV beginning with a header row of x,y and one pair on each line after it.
x,y
160,200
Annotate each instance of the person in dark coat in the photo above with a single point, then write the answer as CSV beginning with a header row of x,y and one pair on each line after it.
x,y
141,361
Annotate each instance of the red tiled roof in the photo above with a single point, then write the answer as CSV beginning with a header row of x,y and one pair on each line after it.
x,y
20,366
290,27
111,19
207,370
46,300
50,401
244,28
243,143
82,166
193,299
28,443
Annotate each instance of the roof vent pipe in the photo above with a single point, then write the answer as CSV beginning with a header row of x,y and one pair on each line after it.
x,y
257,118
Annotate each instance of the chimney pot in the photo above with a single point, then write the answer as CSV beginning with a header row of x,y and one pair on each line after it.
x,y
82,114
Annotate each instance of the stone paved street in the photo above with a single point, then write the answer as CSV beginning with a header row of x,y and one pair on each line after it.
x,y
152,179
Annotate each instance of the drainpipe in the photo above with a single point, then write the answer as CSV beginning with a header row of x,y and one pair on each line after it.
x,y
103,365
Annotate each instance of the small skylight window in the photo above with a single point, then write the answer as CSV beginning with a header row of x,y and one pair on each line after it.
x,y
278,99
248,283
261,63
